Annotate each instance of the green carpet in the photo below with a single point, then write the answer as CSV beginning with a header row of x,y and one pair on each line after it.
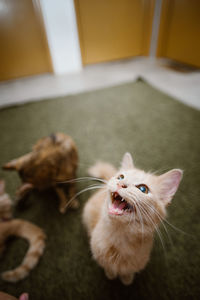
x,y
161,134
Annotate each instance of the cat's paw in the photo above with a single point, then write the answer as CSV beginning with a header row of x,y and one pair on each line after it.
x,y
74,204
110,275
62,209
127,279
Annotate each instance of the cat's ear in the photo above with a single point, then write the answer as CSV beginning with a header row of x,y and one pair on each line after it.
x,y
168,184
127,162
2,187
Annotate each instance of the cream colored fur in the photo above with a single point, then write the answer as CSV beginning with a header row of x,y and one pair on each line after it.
x,y
122,244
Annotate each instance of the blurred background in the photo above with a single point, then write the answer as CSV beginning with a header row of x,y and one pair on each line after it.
x,y
51,48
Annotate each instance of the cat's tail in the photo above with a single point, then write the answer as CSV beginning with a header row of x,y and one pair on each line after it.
x,y
36,238
102,170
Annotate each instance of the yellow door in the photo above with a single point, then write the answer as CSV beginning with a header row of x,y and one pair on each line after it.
x,y
179,36
23,45
114,29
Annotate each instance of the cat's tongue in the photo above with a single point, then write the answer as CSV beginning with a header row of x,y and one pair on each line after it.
x,y
117,207
119,204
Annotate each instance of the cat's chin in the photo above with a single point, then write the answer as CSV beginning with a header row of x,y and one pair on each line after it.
x,y
118,206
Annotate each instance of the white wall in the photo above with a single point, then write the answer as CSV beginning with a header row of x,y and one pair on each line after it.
x,y
155,28
62,35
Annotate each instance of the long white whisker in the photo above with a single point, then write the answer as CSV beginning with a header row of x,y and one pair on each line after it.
x,y
82,179
176,228
140,217
82,191
156,228
154,225
132,218
167,222
161,220
142,220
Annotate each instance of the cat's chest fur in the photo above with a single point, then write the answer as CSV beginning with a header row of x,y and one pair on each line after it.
x,y
119,247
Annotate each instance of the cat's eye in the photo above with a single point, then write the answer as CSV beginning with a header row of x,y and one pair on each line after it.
x,y
120,177
143,188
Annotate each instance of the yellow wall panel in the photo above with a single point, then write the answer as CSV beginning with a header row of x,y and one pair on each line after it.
x,y
23,45
179,36
114,29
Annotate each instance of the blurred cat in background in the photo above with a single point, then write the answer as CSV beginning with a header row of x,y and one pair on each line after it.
x,y
23,229
121,219
52,163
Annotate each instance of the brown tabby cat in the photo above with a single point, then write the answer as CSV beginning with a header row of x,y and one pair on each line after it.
x,y
23,229
53,159
122,218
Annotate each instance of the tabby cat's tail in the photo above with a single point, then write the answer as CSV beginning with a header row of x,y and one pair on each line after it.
x,y
36,239
102,170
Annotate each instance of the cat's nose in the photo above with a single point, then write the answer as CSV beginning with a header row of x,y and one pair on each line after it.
x,y
119,185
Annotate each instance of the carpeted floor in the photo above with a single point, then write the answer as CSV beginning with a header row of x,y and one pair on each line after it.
x,y
161,134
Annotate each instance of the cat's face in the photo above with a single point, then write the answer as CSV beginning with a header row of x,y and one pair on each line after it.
x,y
137,196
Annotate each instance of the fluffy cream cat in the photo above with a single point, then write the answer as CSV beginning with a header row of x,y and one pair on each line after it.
x,y
121,219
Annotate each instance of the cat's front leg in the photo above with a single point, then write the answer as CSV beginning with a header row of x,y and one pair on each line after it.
x,y
23,191
127,279
62,199
110,274
72,193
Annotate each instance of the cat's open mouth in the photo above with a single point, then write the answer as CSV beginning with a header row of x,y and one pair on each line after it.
x,y
119,206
